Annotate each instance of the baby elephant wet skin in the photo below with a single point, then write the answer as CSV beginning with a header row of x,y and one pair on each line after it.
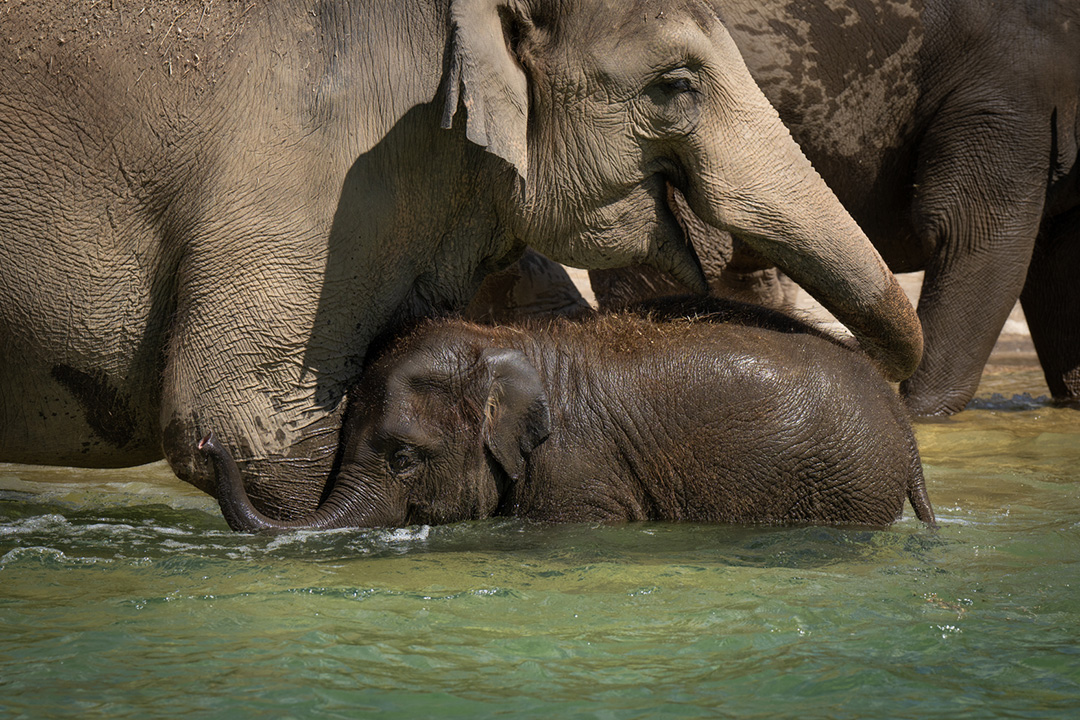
x,y
622,417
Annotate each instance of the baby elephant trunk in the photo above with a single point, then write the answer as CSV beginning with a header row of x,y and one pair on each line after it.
x,y
236,506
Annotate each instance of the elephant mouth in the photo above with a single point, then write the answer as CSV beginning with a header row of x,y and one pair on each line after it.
x,y
691,226
685,233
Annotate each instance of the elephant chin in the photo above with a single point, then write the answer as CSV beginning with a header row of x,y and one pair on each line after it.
x,y
639,228
669,239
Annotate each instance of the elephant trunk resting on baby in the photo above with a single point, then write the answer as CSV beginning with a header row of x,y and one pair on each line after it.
x,y
743,416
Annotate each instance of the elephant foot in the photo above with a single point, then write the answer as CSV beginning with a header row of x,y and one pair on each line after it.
x,y
282,486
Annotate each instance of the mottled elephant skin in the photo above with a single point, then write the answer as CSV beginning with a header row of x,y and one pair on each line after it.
x,y
949,129
209,210
742,415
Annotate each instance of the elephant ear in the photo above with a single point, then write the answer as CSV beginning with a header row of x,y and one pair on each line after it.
x,y
517,417
487,77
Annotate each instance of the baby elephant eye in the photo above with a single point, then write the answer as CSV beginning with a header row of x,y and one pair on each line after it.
x,y
403,461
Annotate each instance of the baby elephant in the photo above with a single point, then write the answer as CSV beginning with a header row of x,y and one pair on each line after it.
x,y
741,415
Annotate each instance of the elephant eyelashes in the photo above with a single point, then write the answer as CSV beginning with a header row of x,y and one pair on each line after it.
x,y
404,461
678,86
677,82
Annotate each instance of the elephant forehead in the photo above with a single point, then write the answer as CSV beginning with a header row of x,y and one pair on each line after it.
x,y
425,388
614,38
650,44
427,420
591,19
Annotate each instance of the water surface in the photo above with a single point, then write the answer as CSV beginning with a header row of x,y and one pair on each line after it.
x,y
124,594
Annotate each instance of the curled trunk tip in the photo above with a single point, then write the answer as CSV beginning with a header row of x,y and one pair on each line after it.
x,y
242,515
229,490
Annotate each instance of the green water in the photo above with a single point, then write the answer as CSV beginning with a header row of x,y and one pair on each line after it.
x,y
123,594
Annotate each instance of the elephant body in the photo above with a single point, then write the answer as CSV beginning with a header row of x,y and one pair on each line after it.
x,y
209,210
705,412
949,129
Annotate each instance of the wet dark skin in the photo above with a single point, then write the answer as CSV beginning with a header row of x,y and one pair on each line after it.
x,y
741,415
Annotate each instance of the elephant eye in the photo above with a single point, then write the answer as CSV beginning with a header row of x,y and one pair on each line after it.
x,y
678,85
677,82
404,461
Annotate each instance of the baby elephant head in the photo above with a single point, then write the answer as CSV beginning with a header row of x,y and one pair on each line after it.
x,y
435,432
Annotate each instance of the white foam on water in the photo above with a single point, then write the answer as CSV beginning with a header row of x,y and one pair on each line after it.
x,y
409,534
45,554
40,523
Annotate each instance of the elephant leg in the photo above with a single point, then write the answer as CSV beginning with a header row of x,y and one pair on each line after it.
x,y
240,363
962,307
1051,302
285,457
532,286
979,205
750,278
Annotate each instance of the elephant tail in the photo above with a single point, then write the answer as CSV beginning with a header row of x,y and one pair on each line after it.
x,y
917,496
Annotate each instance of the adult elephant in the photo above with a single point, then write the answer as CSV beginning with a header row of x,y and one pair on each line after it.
x,y
949,129
208,212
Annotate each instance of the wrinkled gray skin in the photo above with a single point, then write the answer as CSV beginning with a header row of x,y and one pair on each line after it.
x,y
949,129
732,271
206,216
731,268
743,419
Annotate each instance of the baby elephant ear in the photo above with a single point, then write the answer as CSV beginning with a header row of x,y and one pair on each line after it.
x,y
487,77
516,418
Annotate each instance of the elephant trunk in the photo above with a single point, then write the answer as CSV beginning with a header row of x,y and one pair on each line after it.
x,y
827,254
749,177
241,514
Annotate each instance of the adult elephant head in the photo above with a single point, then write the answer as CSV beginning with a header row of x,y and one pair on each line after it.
x,y
606,109
321,174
